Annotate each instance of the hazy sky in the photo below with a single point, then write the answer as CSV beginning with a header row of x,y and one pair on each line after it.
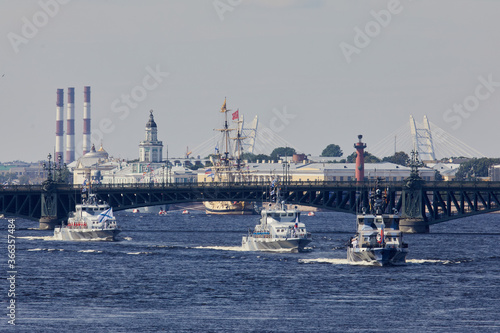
x,y
317,72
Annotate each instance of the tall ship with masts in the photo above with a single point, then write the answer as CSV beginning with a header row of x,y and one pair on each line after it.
x,y
228,166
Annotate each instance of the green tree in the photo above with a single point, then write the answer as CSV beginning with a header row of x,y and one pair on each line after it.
x,y
400,158
475,167
262,157
252,158
248,157
332,150
281,151
369,158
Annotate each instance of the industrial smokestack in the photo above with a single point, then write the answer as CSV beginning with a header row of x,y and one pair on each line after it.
x,y
86,120
70,127
59,125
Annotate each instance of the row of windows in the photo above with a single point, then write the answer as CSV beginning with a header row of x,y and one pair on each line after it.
x,y
284,230
175,180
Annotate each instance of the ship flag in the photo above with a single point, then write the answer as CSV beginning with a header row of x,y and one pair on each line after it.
x,y
84,185
106,215
223,108
209,173
236,115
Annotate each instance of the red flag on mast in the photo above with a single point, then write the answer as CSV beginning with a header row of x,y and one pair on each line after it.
x,y
236,115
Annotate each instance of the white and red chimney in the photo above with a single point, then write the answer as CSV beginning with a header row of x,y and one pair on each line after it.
x,y
59,125
86,120
70,127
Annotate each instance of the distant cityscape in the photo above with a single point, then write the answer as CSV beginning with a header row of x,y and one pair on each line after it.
x,y
152,167
97,165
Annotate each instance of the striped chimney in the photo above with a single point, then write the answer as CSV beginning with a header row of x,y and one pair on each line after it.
x,y
86,120
60,125
70,127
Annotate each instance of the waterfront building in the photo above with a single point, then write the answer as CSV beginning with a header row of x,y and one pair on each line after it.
x,y
297,172
447,170
494,173
151,150
23,173
150,168
91,165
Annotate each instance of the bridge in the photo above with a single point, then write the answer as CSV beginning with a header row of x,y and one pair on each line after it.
x,y
429,140
421,204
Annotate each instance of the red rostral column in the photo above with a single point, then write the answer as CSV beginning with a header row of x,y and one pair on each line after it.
x,y
360,159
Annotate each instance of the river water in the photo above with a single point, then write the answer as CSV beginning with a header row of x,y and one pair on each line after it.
x,y
187,273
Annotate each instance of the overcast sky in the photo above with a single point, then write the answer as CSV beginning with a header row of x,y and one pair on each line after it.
x,y
316,72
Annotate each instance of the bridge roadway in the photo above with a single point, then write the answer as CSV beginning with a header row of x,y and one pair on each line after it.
x,y
430,203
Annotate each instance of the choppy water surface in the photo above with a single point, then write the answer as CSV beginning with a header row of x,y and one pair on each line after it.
x,y
188,273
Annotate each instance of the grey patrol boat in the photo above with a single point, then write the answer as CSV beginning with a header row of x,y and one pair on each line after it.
x,y
279,229
92,220
378,240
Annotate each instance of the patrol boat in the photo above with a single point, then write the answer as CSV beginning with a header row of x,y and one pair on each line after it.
x,y
378,240
279,230
92,220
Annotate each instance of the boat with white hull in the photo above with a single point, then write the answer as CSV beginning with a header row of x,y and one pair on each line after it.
x,y
229,207
279,230
92,220
378,240
377,244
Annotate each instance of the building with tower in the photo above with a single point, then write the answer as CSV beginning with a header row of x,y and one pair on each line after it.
x,y
148,169
151,150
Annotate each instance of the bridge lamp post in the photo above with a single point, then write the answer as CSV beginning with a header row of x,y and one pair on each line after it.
x,y
60,167
169,171
48,168
286,170
163,174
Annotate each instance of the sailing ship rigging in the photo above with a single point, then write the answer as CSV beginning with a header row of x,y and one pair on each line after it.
x,y
229,166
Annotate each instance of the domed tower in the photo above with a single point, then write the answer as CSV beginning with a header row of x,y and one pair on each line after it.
x,y
151,150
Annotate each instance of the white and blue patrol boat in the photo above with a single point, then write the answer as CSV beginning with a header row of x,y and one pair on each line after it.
x,y
92,220
279,229
378,240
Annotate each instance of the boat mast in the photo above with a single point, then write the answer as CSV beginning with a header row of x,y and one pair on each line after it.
x,y
226,133
238,146
222,169
239,138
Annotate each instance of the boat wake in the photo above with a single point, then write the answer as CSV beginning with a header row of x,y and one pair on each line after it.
x,y
48,250
46,238
324,260
434,261
53,238
90,251
365,263
221,248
